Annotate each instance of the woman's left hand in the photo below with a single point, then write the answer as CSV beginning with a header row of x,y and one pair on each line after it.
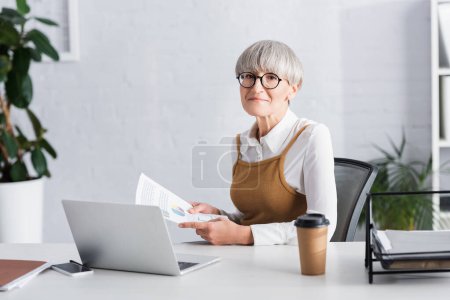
x,y
221,231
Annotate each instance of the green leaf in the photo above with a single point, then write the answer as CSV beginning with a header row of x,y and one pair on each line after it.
x,y
46,21
37,127
35,54
10,12
23,143
5,65
397,150
403,142
389,156
47,173
27,89
18,171
8,34
12,16
39,161
42,43
19,90
13,87
21,61
2,120
22,140
22,7
46,145
10,144
19,131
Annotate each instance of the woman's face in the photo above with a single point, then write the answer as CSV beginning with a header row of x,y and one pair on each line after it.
x,y
259,101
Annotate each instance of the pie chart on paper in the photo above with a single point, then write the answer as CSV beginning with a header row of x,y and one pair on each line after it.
x,y
178,211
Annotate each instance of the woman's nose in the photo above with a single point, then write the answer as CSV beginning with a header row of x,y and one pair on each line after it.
x,y
258,86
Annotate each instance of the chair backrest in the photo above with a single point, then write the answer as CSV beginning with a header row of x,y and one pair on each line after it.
x,y
354,180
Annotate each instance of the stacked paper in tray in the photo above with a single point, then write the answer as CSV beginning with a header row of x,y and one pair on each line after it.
x,y
416,241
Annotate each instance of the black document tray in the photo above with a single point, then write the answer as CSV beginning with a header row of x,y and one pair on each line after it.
x,y
400,263
409,261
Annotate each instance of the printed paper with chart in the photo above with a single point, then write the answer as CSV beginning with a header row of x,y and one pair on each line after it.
x,y
173,207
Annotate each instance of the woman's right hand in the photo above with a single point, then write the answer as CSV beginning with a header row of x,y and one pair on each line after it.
x,y
204,208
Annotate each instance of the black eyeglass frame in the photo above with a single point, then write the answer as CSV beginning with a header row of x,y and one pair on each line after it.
x,y
260,79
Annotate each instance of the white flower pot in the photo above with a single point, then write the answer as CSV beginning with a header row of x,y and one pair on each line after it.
x,y
21,211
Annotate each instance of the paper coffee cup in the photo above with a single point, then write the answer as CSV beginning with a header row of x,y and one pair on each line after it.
x,y
312,234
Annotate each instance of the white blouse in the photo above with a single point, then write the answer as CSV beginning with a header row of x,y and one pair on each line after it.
x,y
308,168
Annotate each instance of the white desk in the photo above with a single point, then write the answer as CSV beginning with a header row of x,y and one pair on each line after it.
x,y
264,272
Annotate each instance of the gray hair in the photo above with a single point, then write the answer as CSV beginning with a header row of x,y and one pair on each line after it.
x,y
271,57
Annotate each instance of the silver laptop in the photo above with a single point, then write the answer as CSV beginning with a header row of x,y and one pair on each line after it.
x,y
127,237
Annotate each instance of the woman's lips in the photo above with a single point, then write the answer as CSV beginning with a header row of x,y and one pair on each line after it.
x,y
257,99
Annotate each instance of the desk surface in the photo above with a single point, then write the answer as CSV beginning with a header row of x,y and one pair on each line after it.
x,y
245,272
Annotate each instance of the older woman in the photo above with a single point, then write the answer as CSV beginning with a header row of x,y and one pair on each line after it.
x,y
284,166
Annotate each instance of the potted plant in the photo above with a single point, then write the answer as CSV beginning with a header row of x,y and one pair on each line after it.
x,y
396,174
23,162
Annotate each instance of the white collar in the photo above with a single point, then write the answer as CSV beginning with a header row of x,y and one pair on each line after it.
x,y
276,136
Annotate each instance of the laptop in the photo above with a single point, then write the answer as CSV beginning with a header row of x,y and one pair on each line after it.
x,y
127,237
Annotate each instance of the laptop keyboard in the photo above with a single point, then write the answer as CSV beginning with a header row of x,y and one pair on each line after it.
x,y
183,265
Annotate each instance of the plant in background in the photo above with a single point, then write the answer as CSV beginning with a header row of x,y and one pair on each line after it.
x,y
397,175
19,46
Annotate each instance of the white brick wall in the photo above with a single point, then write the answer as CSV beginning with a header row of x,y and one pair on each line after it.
x,y
155,77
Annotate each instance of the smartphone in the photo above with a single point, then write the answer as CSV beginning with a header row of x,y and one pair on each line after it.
x,y
72,269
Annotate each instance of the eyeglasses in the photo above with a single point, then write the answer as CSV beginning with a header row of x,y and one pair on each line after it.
x,y
268,80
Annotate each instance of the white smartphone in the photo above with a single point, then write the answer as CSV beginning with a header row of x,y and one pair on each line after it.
x,y
72,269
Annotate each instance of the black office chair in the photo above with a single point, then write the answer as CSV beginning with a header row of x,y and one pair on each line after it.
x,y
354,180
